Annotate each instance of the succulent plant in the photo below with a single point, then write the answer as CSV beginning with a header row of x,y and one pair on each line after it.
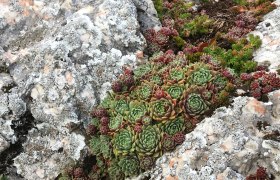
x,y
91,130
176,74
123,142
104,121
174,126
104,129
115,122
168,143
179,138
137,109
129,165
115,171
199,74
117,86
120,105
100,112
144,91
159,93
138,128
148,142
220,82
199,25
162,109
156,79
175,91
146,120
142,70
100,145
146,162
150,109
193,104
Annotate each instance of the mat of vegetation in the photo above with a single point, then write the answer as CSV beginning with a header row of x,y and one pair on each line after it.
x,y
197,60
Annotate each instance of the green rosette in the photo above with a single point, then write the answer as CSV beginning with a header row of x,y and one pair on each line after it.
x,y
115,171
123,142
156,79
195,105
176,74
200,74
200,77
142,70
144,91
174,126
121,106
137,109
220,82
115,122
129,166
162,109
174,91
148,142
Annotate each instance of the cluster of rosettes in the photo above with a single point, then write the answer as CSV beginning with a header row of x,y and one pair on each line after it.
x,y
260,83
159,40
168,96
244,24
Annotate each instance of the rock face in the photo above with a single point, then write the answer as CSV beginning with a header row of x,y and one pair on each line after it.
x,y
229,145
57,59
269,31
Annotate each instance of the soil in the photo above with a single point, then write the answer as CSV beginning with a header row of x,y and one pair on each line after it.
x,y
224,19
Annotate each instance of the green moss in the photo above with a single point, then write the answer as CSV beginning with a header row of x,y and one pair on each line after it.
x,y
159,7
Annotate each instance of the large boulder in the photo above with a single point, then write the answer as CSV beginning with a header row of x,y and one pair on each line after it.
x,y
58,59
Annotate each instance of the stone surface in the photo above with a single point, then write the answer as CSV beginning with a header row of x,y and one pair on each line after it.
x,y
6,132
57,59
147,15
4,144
227,145
45,154
269,31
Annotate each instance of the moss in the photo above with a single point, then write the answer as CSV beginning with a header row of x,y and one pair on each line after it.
x,y
159,7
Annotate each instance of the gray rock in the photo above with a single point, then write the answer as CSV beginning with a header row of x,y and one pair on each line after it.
x,y
269,31
4,106
4,144
44,155
147,14
6,131
61,57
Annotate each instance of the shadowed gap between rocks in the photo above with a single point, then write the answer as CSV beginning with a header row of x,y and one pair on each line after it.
x,y
21,128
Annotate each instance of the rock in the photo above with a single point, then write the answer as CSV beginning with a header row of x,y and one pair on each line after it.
x,y
44,155
269,31
3,144
4,109
58,60
228,145
147,14
6,131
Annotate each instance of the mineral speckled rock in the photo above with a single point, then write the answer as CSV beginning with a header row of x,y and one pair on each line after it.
x,y
44,155
269,31
59,58
147,15
4,144
228,145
